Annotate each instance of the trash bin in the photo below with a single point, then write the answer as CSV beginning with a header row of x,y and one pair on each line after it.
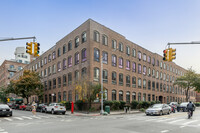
x,y
107,109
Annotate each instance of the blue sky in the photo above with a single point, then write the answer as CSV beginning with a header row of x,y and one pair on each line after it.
x,y
149,23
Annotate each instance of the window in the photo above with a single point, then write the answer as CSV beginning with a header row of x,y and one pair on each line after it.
x,y
69,45
149,59
59,82
144,97
139,83
114,78
59,52
153,73
167,88
64,64
121,79
105,57
153,61
49,58
144,70
96,54
144,57
121,47
59,66
69,95
64,49
134,67
144,83
54,83
83,71
139,55
161,87
69,61
76,75
20,68
113,95
149,97
164,76
76,42
45,60
157,86
54,55
105,76
157,63
45,72
164,66
45,85
139,96
114,60
133,52
76,58
120,62
69,78
128,81
153,86
133,96
127,64
49,70
149,85
127,97
83,54
161,64
54,68
157,74
120,95
96,74
64,80
104,40
127,50
139,68
114,44
64,96
134,82
83,36
96,36
161,75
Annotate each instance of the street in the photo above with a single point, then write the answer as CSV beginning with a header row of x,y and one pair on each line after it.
x,y
24,121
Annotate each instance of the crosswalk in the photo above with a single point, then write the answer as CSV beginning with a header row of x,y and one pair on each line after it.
x,y
180,121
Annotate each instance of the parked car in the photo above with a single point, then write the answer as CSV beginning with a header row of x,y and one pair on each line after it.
x,y
22,106
41,107
5,110
16,106
183,107
29,107
158,109
55,108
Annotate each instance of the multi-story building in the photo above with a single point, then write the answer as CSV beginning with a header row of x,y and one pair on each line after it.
x,y
8,70
130,72
21,56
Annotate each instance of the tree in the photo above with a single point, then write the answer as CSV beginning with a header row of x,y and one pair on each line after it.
x,y
87,91
3,95
190,80
27,85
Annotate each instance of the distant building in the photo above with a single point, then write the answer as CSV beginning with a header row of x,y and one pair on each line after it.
x,y
21,56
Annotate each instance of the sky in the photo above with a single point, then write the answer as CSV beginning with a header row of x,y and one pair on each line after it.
x,y
148,23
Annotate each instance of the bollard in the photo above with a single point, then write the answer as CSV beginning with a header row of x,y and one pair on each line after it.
x,y
72,108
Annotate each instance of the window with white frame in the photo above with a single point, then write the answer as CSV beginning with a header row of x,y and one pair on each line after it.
x,y
105,57
133,52
114,44
144,57
120,62
121,47
114,60
76,42
83,37
104,40
96,36
96,74
127,64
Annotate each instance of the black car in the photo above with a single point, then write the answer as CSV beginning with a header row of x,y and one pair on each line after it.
x,y
41,107
5,110
183,107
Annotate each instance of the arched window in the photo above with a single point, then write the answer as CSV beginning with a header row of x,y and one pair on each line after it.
x,y
120,95
96,36
83,37
113,95
133,96
127,97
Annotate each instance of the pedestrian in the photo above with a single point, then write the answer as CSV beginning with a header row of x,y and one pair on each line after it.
x,y
34,110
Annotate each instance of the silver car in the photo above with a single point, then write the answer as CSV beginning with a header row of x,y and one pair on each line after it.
x,y
158,109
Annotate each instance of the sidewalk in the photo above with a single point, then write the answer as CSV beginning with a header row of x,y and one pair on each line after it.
x,y
121,112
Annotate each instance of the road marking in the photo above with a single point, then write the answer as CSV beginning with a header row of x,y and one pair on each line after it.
x,y
176,121
36,117
182,126
27,117
165,120
18,118
189,122
43,116
8,119
164,131
1,130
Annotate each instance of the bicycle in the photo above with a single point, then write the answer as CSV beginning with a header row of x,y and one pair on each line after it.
x,y
189,114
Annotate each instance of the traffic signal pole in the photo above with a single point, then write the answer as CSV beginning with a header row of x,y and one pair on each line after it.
x,y
9,39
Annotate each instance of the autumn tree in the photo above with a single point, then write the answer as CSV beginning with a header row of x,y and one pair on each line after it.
x,y
27,85
190,80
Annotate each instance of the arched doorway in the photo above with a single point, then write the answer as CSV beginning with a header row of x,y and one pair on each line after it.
x,y
161,99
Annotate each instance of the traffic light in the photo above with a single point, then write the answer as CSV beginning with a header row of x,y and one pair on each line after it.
x,y
166,55
36,49
8,99
29,48
172,53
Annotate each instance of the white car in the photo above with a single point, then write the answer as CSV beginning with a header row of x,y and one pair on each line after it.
x,y
55,108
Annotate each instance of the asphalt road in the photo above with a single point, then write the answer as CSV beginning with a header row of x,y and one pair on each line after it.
x,y
25,122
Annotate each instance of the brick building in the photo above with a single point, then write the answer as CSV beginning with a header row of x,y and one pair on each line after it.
x,y
130,72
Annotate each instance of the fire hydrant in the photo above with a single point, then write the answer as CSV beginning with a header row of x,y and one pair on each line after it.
x,y
72,107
